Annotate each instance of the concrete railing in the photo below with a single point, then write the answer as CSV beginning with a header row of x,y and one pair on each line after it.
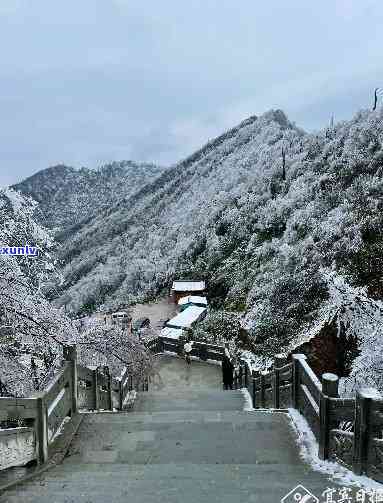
x,y
348,431
73,388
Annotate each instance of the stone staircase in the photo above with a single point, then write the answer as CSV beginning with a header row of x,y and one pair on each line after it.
x,y
186,399
185,441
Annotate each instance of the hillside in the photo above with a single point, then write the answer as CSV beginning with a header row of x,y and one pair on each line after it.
x,y
135,247
290,249
66,196
226,213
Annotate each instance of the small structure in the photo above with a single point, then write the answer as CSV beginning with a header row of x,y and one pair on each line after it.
x,y
140,323
171,333
188,317
186,287
192,300
122,318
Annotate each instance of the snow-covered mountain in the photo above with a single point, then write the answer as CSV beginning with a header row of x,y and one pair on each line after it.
x,y
226,214
66,196
135,247
285,226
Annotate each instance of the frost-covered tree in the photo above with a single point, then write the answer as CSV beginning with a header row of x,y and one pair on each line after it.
x,y
32,331
116,348
359,318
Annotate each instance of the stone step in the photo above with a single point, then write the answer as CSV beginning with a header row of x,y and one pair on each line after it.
x,y
191,396
236,416
205,438
171,483
188,404
192,399
186,441
192,389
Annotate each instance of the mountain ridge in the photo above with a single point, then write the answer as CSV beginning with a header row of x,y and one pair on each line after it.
x,y
67,196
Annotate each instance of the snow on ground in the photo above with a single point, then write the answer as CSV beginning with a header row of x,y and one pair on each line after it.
x,y
157,312
308,447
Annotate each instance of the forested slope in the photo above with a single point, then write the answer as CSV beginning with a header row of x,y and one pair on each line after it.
x,y
288,244
135,247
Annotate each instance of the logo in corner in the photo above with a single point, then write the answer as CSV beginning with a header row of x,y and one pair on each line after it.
x,y
300,495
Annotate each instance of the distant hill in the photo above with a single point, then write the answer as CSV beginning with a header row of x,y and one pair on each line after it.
x,y
66,195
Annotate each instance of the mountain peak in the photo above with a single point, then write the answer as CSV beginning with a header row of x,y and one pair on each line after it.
x,y
277,116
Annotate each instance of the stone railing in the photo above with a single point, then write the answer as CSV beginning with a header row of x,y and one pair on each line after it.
x,y
44,415
201,350
348,431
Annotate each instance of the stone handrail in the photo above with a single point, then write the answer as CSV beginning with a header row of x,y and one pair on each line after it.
x,y
44,415
202,350
73,388
348,431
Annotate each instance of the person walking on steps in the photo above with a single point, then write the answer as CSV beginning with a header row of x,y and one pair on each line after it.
x,y
227,372
227,352
187,350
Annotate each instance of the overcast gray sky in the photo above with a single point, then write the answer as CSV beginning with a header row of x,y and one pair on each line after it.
x,y
84,82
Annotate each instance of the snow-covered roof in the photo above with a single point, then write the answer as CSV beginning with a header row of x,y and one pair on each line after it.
x,y
192,299
187,317
188,286
120,313
89,321
171,333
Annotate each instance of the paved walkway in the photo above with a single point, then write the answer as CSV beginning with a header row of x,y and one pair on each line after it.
x,y
186,441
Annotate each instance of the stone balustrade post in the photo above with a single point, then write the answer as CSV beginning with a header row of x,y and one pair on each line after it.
x,y
41,430
279,361
70,356
96,397
330,384
362,430
263,389
296,384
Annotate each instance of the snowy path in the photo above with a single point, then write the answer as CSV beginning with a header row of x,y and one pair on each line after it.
x,y
157,312
186,441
